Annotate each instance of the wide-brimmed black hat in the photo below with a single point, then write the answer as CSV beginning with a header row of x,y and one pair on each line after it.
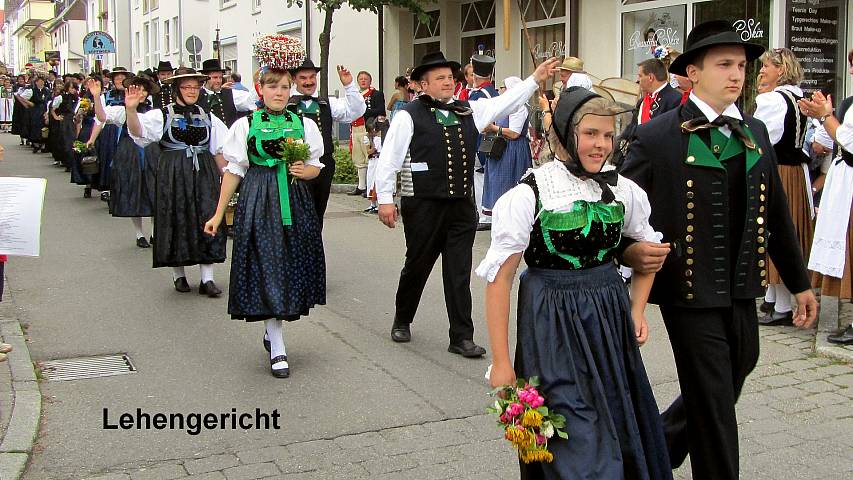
x,y
484,65
119,70
431,61
165,66
210,66
144,81
710,34
307,64
569,103
183,73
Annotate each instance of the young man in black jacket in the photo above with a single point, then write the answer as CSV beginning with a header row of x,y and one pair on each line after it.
x,y
711,175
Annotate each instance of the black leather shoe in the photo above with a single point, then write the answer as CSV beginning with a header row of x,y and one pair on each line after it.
x,y
401,333
105,196
484,226
181,285
776,318
844,337
357,191
767,307
87,192
209,288
151,239
279,372
467,348
266,341
141,242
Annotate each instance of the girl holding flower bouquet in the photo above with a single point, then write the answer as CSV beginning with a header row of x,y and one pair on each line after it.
x,y
277,264
578,331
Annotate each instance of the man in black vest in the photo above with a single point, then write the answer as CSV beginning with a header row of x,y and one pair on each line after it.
x,y
711,176
165,97
658,96
440,217
225,103
323,111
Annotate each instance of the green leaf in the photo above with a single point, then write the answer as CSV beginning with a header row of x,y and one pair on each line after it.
x,y
543,411
534,381
562,434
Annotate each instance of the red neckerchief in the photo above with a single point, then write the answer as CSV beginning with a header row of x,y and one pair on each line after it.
x,y
368,92
685,96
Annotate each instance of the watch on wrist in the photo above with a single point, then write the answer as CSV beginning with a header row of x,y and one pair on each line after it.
x,y
822,119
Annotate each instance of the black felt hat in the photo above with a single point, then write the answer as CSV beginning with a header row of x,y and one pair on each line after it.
x,y
119,71
307,64
210,66
711,34
431,61
484,65
144,81
165,66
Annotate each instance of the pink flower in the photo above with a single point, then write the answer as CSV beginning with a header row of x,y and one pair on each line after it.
x,y
515,409
540,439
537,402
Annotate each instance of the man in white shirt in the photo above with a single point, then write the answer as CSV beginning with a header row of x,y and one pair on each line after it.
x,y
439,215
305,102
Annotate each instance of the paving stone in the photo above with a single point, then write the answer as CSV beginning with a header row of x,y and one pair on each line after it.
x,y
779,381
763,427
165,472
842,380
390,464
793,405
827,398
210,464
789,341
265,454
361,440
207,476
314,447
405,433
252,472
110,476
784,393
818,386
836,369
347,456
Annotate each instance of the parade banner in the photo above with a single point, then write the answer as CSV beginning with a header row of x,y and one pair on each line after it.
x,y
21,201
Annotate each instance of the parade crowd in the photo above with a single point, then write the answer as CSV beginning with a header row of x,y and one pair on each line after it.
x,y
706,206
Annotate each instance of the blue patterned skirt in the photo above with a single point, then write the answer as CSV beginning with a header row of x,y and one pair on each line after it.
x,y
106,144
133,182
277,271
576,334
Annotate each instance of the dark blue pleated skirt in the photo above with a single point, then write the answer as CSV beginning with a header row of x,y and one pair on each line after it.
x,y
107,144
576,334
277,271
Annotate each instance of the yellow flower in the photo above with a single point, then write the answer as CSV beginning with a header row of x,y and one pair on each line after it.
x,y
536,455
520,437
531,418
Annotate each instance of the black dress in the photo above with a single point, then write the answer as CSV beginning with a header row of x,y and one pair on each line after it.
x,y
86,127
107,142
187,191
19,118
277,271
575,333
133,174
64,132
35,114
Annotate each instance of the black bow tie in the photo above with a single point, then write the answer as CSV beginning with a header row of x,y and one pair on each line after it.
x,y
734,124
451,107
186,110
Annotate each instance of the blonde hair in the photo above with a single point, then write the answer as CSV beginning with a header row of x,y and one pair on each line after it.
x,y
792,71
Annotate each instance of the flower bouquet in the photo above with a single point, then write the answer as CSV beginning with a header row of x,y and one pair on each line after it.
x,y
230,209
526,421
80,147
294,150
85,106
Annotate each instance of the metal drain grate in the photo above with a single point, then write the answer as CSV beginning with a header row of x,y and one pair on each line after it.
x,y
86,367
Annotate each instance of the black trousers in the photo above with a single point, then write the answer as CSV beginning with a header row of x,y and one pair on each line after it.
x,y
436,227
715,349
321,185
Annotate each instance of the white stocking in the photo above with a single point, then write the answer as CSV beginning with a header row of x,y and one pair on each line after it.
x,y
178,272
770,296
783,299
206,272
137,224
276,338
362,178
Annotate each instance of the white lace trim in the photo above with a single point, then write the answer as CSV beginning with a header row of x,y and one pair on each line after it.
x,y
558,188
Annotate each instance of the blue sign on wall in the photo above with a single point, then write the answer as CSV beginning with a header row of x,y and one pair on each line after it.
x,y
98,43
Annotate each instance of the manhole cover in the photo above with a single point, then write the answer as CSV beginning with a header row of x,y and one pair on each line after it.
x,y
86,367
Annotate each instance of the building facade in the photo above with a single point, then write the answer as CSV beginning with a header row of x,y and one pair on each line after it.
x,y
113,17
177,31
25,20
67,29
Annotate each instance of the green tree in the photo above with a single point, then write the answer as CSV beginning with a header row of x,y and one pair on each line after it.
x,y
329,7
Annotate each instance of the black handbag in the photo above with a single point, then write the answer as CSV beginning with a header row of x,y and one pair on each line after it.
x,y
493,146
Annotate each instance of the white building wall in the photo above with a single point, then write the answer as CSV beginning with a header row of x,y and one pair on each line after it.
x,y
599,37
185,18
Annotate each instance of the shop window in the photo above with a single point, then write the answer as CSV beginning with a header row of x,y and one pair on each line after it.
x,y
548,41
535,10
752,19
645,30
478,29
816,36
426,36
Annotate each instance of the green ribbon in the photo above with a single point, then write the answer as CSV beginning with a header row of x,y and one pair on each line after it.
x,y
278,127
582,215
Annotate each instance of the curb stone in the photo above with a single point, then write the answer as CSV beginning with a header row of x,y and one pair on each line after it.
x,y
17,444
343,187
829,321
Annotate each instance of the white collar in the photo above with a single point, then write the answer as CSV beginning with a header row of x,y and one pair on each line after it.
x,y
559,189
710,113
796,90
659,89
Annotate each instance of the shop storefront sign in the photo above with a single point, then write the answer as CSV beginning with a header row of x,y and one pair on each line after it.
x,y
749,29
555,49
814,29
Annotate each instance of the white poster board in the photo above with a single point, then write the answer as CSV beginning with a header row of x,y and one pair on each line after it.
x,y
21,201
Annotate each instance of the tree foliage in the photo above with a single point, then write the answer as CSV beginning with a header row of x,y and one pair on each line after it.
x,y
328,7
